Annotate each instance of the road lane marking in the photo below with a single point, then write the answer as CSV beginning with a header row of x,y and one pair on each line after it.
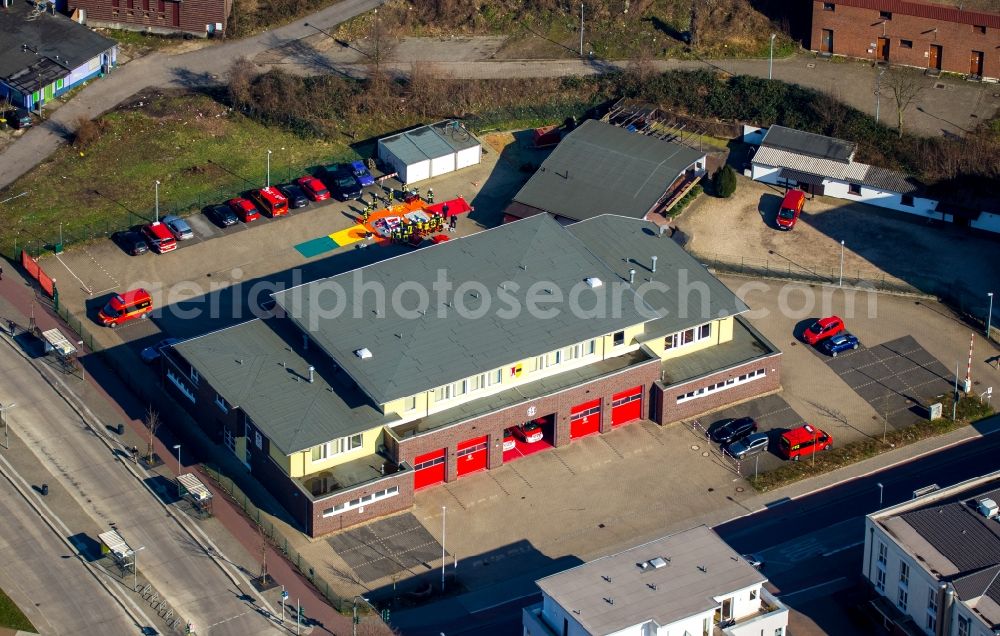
x,y
846,547
812,587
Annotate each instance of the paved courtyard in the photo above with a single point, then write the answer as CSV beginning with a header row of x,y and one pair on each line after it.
x,y
387,547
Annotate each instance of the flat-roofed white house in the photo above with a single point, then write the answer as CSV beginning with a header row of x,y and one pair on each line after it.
x,y
690,582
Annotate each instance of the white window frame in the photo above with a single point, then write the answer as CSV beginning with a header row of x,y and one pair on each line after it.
x,y
880,578
697,334
195,376
410,403
902,597
221,403
229,439
258,440
338,446
362,501
722,385
883,553
904,574
964,626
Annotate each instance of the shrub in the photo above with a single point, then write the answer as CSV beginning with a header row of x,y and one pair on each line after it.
x,y
87,132
724,182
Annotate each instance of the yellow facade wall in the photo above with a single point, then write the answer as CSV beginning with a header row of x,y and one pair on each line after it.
x,y
301,464
722,331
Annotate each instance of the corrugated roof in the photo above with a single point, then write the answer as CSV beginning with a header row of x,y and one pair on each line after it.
x,y
430,142
413,352
935,11
612,593
891,181
261,367
809,144
56,42
626,244
778,158
603,169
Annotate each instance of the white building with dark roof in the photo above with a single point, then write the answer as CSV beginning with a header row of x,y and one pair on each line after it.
x,y
825,166
690,582
430,151
934,561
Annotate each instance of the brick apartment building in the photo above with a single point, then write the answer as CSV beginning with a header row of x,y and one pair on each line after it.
x,y
343,417
932,34
197,17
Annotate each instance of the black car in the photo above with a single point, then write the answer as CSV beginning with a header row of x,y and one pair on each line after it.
x,y
341,182
131,241
221,215
296,196
17,118
732,429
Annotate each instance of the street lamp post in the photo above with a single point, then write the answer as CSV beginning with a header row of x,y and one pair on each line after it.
x,y
581,29
881,489
989,316
157,187
135,567
770,58
878,92
841,263
177,447
3,420
267,184
444,528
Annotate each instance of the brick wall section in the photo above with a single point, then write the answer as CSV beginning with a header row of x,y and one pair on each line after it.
x,y
320,525
856,28
157,16
668,410
493,424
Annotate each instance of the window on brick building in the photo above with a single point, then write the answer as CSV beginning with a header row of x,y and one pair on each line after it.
x,y
906,44
980,28
829,6
885,15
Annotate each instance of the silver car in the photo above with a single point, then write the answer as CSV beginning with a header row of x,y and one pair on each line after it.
x,y
749,445
178,227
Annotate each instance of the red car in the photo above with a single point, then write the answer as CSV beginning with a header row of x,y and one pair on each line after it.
x,y
529,432
314,188
245,210
509,443
159,237
823,329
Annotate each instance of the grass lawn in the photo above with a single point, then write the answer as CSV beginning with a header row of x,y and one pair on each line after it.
x,y
200,151
11,616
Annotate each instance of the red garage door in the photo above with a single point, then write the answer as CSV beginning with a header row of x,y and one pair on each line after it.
x,y
626,406
472,455
428,469
585,419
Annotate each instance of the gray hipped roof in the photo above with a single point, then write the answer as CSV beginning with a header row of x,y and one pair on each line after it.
x,y
692,296
603,169
262,367
811,144
55,45
697,567
430,142
413,352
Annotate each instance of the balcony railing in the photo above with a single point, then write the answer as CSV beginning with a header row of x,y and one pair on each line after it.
x,y
770,608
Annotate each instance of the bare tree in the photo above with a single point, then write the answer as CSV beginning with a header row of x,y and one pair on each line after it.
x,y
905,87
240,82
263,554
152,423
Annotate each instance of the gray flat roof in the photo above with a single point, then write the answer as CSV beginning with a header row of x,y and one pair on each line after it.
x,y
55,42
494,271
603,169
699,566
260,366
807,143
747,344
430,142
692,296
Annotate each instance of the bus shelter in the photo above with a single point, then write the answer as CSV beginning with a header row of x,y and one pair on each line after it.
x,y
193,490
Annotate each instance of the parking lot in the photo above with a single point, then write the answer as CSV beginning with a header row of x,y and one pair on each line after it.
x,y
386,548
772,414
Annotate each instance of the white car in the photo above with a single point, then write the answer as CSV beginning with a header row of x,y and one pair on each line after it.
x,y
529,432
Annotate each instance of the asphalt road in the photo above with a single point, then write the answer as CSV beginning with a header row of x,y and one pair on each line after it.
x,y
43,578
812,546
175,561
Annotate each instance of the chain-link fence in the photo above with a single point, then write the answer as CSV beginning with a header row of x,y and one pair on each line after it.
x,y
116,216
275,537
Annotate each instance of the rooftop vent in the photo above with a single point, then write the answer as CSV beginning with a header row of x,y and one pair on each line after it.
x,y
987,507
363,353
593,282
654,564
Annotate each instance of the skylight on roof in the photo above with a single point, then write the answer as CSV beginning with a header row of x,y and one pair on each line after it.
x,y
363,353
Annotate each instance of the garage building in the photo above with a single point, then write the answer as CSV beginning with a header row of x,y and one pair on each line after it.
x,y
430,151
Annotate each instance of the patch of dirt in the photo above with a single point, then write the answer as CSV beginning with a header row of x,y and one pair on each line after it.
x,y
531,46
499,141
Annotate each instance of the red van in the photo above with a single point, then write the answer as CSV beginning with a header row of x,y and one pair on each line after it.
x,y
159,237
125,307
802,441
271,201
790,209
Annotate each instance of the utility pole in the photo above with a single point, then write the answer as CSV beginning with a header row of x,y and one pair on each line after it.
x,y
841,263
267,184
444,528
878,91
770,58
177,447
989,317
157,187
581,29
3,420
954,401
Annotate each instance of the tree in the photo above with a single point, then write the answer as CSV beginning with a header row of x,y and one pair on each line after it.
x,y
905,87
240,82
263,578
152,423
724,182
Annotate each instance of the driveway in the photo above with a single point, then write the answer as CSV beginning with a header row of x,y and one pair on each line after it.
x,y
879,245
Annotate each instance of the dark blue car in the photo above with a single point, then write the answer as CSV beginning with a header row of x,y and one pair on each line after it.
x,y
841,342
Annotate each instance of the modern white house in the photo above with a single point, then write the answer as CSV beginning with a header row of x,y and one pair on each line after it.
x,y
934,561
430,151
690,582
825,166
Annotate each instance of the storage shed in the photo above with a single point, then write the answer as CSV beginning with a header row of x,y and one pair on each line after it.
x,y
430,151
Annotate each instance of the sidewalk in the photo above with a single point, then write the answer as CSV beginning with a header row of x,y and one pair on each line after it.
x,y
236,536
424,618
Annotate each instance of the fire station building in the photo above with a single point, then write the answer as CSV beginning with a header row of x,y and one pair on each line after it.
x,y
463,356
